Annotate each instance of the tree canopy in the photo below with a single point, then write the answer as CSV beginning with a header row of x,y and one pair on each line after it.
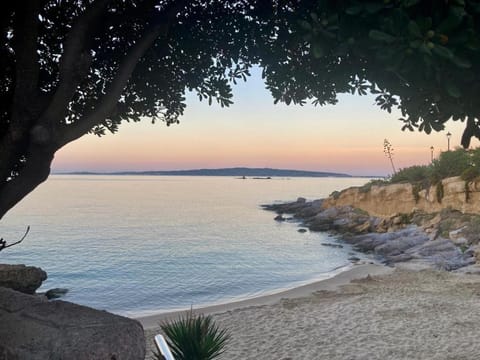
x,y
72,67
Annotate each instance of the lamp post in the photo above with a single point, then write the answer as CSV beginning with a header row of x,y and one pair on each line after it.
x,y
431,150
448,140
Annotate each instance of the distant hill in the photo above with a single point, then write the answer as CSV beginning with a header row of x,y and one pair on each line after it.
x,y
237,171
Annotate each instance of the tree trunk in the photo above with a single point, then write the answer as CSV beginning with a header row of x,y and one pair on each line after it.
x,y
35,171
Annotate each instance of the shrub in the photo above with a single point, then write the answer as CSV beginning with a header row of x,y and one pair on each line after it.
x,y
416,188
450,163
475,157
195,337
470,174
335,195
411,174
439,191
366,188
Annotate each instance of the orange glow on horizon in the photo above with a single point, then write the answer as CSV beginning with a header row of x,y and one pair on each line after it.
x,y
346,138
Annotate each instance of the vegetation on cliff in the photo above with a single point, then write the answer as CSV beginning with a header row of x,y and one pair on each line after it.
x,y
458,162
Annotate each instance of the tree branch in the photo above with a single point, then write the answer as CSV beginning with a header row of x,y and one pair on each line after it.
x,y
33,173
75,61
25,90
3,243
108,101
25,47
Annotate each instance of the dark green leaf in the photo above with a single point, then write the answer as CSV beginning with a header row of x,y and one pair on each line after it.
x,y
452,90
354,10
437,126
416,44
305,25
413,29
461,63
373,7
381,36
317,50
408,3
425,49
443,52
449,24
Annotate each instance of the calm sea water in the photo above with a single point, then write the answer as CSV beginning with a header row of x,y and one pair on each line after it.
x,y
139,244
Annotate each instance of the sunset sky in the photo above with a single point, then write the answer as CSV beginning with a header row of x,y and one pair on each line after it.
x,y
253,132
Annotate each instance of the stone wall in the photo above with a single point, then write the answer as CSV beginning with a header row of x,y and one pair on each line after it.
x,y
385,201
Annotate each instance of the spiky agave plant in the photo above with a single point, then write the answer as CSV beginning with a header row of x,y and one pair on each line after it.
x,y
195,337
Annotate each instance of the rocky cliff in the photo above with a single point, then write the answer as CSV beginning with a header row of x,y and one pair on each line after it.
x,y
388,200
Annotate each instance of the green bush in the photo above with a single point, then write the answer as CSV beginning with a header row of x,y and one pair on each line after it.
x,y
194,337
450,163
366,188
416,173
475,157
416,188
470,174
458,162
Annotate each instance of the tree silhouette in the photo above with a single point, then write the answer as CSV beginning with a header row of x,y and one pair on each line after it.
x,y
73,67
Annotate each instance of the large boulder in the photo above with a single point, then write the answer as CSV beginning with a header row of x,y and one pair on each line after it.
x,y
22,278
35,329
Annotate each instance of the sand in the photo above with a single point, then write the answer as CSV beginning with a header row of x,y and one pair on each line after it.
x,y
389,314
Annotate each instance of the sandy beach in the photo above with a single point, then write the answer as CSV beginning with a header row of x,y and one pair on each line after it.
x,y
367,312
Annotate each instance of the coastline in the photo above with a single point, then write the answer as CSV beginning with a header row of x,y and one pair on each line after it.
x,y
351,273
368,312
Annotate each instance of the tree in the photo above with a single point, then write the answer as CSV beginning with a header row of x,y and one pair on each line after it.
x,y
422,57
72,67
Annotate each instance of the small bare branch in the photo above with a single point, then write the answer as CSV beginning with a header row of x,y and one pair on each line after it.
x,y
3,243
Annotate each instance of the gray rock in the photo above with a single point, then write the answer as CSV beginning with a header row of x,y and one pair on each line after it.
x,y
332,245
22,278
400,245
34,329
302,230
279,218
55,293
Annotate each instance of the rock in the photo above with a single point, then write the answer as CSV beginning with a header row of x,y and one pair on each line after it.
x,y
319,227
279,218
394,238
55,293
302,230
353,258
332,245
460,241
22,278
457,236
362,228
400,245
397,220
301,200
33,329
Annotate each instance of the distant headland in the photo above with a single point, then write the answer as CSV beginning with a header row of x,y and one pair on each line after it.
x,y
236,171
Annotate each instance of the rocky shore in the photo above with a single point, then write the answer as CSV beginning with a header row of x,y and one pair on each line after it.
x,y
34,328
447,240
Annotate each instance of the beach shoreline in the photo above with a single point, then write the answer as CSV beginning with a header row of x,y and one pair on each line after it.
x,y
332,283
368,312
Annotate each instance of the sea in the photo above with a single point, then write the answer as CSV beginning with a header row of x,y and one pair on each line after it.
x,y
139,245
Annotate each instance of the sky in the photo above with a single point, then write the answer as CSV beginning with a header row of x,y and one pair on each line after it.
x,y
253,132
